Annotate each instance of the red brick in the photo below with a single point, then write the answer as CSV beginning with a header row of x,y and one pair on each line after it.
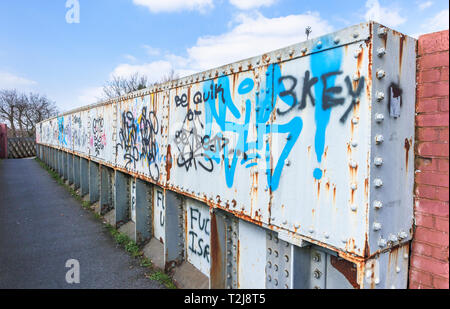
x,y
442,194
429,76
433,42
421,277
443,104
423,249
432,120
443,135
417,285
432,207
441,224
425,191
436,60
432,149
444,73
430,265
440,283
431,236
442,165
429,90
427,105
427,134
427,164
440,253
432,178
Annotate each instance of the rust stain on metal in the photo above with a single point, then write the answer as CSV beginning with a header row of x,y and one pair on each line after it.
x,y
217,267
407,146
334,195
346,268
168,162
400,56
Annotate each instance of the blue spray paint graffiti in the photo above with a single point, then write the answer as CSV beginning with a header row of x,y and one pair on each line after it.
x,y
264,107
61,136
327,66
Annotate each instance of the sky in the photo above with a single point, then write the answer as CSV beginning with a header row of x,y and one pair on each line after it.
x,y
68,49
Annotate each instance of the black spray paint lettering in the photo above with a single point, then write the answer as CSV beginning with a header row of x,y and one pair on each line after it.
x,y
160,206
198,245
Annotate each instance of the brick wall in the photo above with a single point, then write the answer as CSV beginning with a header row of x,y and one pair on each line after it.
x,y
430,247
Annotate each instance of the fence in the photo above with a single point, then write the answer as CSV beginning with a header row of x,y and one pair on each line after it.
x,y
294,169
21,147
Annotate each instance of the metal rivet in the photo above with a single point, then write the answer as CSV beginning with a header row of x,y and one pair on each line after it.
x,y
276,267
379,118
311,230
393,238
286,258
378,182
353,207
380,96
378,161
355,35
356,53
336,40
381,51
402,235
269,264
381,73
382,242
354,143
316,257
397,269
376,226
319,44
379,138
291,52
303,50
276,282
382,31
317,274
275,252
354,186
377,204
269,251
355,120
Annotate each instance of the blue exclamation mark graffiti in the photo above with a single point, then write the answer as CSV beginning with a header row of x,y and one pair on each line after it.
x,y
323,63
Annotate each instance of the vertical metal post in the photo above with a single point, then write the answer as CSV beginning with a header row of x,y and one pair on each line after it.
x,y
105,190
94,193
174,228
143,211
76,171
84,176
121,198
70,168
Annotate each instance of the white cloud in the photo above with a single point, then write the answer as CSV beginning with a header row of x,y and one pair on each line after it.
x,y
249,35
425,5
90,95
154,70
152,51
158,6
130,57
436,23
8,80
253,35
251,4
388,16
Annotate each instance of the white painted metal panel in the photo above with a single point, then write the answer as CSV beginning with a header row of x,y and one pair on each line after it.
x,y
159,205
198,235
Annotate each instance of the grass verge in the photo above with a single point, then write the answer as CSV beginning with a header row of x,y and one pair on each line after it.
x,y
121,239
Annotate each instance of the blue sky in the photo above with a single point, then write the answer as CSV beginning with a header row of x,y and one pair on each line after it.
x,y
70,62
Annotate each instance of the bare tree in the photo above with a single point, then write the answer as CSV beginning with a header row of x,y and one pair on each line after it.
x,y
24,111
119,86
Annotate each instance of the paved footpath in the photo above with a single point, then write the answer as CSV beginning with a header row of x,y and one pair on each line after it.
x,y
42,226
